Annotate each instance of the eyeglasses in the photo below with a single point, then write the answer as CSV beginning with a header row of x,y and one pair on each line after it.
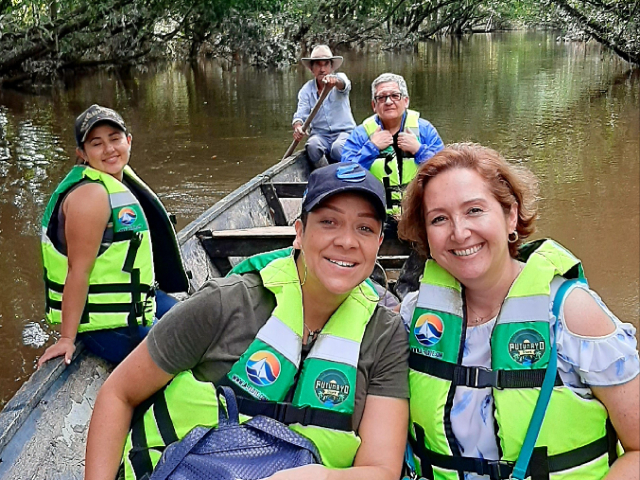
x,y
395,97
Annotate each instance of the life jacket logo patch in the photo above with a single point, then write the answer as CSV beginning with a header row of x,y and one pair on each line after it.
x,y
428,329
527,347
126,216
263,368
332,387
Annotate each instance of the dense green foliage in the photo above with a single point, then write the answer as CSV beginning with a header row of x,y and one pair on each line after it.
x,y
614,23
41,38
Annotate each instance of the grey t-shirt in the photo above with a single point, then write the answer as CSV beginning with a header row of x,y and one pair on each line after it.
x,y
208,332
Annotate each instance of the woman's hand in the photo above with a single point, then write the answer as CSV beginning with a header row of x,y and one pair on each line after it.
x,y
308,472
64,346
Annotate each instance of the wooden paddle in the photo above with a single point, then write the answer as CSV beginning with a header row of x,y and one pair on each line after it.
x,y
305,126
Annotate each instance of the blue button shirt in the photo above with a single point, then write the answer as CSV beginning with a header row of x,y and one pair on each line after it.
x,y
334,115
361,150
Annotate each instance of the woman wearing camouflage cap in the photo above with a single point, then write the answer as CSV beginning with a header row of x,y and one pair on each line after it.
x,y
96,243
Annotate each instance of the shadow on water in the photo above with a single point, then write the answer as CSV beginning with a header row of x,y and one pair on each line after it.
x,y
570,112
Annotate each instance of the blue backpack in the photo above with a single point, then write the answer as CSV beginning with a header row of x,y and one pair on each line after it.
x,y
250,451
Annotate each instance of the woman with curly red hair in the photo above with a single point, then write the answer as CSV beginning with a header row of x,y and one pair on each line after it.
x,y
492,315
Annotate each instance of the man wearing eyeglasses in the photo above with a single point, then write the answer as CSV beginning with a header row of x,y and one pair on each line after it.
x,y
393,142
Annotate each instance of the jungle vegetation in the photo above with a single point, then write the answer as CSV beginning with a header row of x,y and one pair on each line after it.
x,y
41,39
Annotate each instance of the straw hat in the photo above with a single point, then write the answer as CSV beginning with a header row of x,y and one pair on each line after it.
x,y
322,52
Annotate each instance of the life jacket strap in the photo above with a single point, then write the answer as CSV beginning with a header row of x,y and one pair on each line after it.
x,y
101,288
104,307
129,260
290,414
124,236
478,377
139,455
287,413
540,466
134,287
47,299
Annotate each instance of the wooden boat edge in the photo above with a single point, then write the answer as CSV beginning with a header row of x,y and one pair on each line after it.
x,y
18,409
211,213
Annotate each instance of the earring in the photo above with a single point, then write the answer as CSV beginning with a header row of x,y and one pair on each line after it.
x,y
386,278
304,280
514,238
375,300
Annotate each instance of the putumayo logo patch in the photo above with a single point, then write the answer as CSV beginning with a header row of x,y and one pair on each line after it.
x,y
428,329
332,387
527,347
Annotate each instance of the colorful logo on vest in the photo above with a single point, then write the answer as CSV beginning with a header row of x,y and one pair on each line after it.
x,y
263,368
527,347
428,329
332,387
126,216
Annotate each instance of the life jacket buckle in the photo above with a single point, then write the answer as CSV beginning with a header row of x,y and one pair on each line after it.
x,y
497,469
476,377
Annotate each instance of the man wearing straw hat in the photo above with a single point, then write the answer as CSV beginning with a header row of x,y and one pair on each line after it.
x,y
334,122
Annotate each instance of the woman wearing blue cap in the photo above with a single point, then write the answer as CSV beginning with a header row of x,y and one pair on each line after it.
x,y
96,246
298,329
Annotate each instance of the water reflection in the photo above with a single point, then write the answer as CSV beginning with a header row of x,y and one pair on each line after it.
x,y
568,111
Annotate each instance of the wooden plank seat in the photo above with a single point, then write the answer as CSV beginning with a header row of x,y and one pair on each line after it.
x,y
273,192
220,245
289,189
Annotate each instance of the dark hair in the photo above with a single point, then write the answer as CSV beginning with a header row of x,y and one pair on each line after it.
x,y
510,184
304,216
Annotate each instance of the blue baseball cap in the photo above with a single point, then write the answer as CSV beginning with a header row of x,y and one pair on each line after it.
x,y
340,178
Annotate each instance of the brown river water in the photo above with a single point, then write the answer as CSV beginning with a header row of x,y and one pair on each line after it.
x,y
570,112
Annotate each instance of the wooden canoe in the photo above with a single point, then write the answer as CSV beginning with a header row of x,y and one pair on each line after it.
x,y
43,428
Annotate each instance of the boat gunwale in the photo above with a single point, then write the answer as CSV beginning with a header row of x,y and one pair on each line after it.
x,y
234,197
19,407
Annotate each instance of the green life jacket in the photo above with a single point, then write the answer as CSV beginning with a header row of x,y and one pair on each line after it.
x,y
395,176
117,297
315,397
574,441
170,274
122,277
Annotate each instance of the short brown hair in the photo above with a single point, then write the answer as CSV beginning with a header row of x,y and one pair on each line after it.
x,y
510,184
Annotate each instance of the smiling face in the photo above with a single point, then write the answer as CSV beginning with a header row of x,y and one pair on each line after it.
x,y
389,111
320,69
467,228
107,149
339,244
